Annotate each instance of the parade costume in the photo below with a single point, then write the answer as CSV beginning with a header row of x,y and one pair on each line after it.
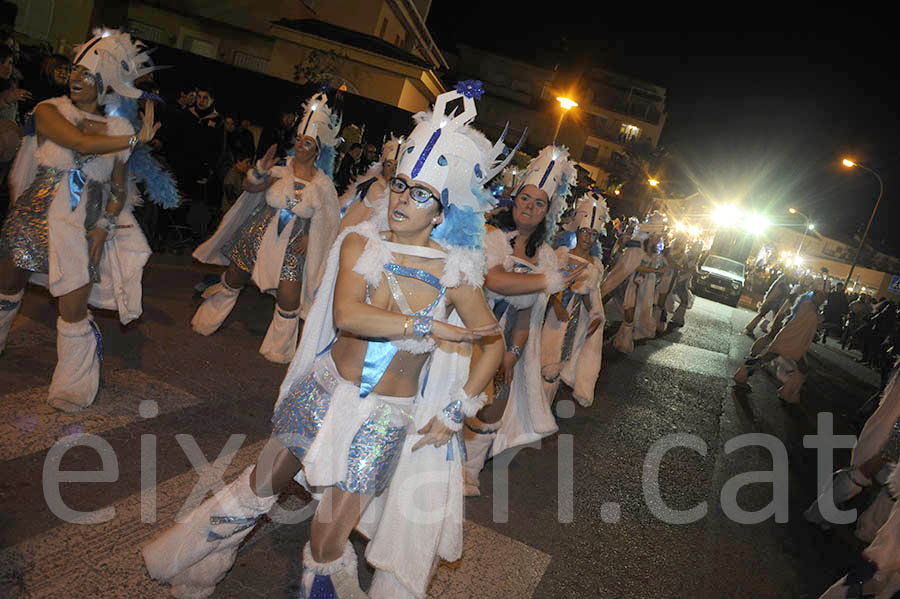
x,y
567,351
262,232
880,437
367,196
360,441
687,267
788,348
879,576
60,195
646,311
776,295
620,287
527,416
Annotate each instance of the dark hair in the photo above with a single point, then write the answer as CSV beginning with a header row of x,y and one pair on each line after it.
x,y
5,52
353,146
503,220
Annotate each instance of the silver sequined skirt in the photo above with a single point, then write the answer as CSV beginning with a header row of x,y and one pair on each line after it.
x,y
377,443
243,248
25,235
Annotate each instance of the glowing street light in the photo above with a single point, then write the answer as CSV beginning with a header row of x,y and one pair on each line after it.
x,y
567,104
850,164
653,182
725,215
756,224
809,227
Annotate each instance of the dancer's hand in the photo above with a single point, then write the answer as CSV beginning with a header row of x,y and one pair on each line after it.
x,y
96,238
574,274
148,127
508,366
435,433
268,160
448,332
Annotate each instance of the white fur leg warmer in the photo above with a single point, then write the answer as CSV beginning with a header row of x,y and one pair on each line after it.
x,y
219,302
624,339
386,586
479,437
9,307
196,553
843,486
76,378
281,338
337,579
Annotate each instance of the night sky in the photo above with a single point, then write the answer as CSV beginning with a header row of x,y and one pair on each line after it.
x,y
761,116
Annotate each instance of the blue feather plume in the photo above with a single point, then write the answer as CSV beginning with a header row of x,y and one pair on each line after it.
x,y
462,227
161,187
325,160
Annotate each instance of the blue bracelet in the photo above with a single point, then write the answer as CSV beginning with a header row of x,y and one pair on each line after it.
x,y
454,412
422,325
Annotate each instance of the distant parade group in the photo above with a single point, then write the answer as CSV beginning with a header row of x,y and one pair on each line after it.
x,y
426,329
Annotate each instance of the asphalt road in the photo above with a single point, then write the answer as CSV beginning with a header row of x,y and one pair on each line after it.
x,y
576,521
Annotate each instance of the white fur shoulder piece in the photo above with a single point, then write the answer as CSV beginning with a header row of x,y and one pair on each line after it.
x,y
549,267
376,254
497,248
463,267
65,107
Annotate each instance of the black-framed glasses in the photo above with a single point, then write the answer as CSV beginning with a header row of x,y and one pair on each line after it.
x,y
418,194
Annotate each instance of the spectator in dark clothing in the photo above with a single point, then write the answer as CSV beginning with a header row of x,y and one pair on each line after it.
x,y
281,133
204,144
836,306
349,168
52,81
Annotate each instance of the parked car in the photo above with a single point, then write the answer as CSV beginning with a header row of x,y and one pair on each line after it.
x,y
720,278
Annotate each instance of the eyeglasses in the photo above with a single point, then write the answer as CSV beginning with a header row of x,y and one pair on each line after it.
x,y
595,235
307,144
420,195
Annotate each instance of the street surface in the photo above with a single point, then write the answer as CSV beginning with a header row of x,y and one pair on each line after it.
x,y
609,545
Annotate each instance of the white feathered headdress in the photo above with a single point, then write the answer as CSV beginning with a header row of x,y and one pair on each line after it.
x,y
117,61
591,212
445,152
391,148
553,173
319,121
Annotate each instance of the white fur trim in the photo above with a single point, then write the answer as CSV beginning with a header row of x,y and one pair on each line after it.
x,y
471,405
371,261
347,560
549,267
463,267
414,346
497,248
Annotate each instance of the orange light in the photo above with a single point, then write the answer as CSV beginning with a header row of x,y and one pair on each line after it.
x,y
653,182
566,103
848,163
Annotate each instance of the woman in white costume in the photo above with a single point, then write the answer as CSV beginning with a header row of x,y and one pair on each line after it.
x,y
379,386
572,342
619,288
368,195
70,227
646,313
278,234
686,267
876,453
523,272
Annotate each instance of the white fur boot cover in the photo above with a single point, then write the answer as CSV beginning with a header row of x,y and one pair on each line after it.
x,y
845,485
9,307
76,378
219,302
196,553
624,339
337,579
386,586
479,437
281,338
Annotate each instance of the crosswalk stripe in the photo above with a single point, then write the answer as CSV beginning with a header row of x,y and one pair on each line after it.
x,y
28,424
681,356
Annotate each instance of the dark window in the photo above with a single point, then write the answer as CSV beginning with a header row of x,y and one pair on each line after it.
x,y
589,154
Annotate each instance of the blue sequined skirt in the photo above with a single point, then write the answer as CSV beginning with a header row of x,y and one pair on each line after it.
x,y
377,443
243,248
25,237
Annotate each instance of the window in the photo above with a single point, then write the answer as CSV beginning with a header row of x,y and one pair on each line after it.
x,y
248,61
629,133
198,46
150,33
598,123
384,24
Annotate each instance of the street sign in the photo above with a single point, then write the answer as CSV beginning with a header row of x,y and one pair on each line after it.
x,y
894,287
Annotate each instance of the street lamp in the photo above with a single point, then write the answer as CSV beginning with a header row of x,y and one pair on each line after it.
x,y
567,104
653,182
809,227
862,242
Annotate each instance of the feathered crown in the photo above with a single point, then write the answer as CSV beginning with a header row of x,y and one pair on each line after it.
x,y
552,173
391,148
319,121
448,154
655,223
591,212
117,60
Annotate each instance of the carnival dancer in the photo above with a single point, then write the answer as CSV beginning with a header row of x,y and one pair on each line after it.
x,y
367,196
380,384
621,283
879,575
523,272
646,314
773,300
278,234
71,226
686,265
876,453
572,338
789,346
